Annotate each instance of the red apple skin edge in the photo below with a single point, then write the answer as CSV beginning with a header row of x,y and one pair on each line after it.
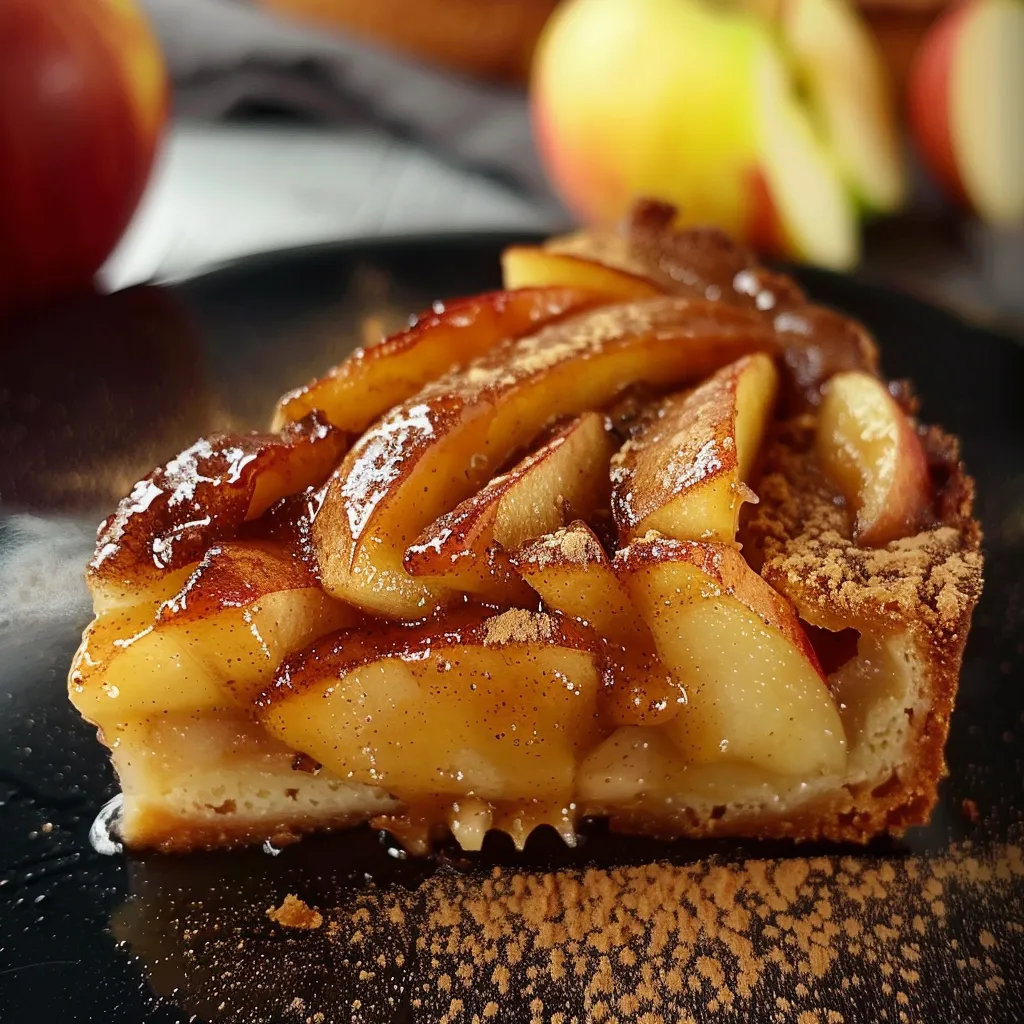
x,y
83,97
764,228
928,100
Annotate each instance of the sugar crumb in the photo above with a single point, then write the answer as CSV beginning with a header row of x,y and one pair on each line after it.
x,y
295,913
518,626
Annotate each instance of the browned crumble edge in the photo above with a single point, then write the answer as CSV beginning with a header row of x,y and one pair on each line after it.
x,y
926,585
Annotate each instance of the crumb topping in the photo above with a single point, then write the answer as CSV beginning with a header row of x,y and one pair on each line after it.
x,y
295,913
575,544
518,626
803,532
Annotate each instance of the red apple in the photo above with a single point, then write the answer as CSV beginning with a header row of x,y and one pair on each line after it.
x,y
83,97
964,98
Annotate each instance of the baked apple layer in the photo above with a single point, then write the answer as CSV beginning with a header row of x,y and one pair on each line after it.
x,y
648,540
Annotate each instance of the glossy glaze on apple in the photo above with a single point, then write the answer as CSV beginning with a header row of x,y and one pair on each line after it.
x,y
546,583
204,495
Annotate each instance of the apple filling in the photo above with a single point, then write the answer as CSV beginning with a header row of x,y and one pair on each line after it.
x,y
586,548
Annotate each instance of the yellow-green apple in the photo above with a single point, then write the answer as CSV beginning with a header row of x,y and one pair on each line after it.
x,y
571,572
448,335
685,472
494,706
964,97
566,476
694,104
755,691
840,70
868,446
444,443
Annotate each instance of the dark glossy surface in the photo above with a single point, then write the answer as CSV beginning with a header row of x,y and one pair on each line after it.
x,y
91,396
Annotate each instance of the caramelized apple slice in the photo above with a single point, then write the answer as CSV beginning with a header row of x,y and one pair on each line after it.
x,y
652,256
867,445
704,263
444,444
755,690
526,266
567,475
572,574
373,379
497,706
817,343
202,496
215,644
684,474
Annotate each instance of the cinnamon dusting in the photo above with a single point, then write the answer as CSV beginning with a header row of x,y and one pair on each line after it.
x,y
792,939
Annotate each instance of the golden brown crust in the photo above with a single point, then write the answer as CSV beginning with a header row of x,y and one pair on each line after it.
x,y
155,827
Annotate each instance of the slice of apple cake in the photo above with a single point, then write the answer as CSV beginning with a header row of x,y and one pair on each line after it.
x,y
645,536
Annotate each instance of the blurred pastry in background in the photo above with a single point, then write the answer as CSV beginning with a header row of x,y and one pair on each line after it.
x,y
490,39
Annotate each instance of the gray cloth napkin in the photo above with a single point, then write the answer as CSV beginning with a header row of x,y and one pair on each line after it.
x,y
224,54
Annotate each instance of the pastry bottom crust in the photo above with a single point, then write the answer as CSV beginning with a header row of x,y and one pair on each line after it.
x,y
213,780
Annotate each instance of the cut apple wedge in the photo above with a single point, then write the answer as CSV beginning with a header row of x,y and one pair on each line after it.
x,y
566,476
444,444
840,71
572,574
448,335
684,474
201,496
755,691
868,446
498,706
215,644
964,104
811,213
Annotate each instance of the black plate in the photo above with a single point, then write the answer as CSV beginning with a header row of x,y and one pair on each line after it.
x,y
93,394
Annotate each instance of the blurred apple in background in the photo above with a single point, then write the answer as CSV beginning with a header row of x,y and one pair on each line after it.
x,y
966,105
83,99
771,120
840,72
